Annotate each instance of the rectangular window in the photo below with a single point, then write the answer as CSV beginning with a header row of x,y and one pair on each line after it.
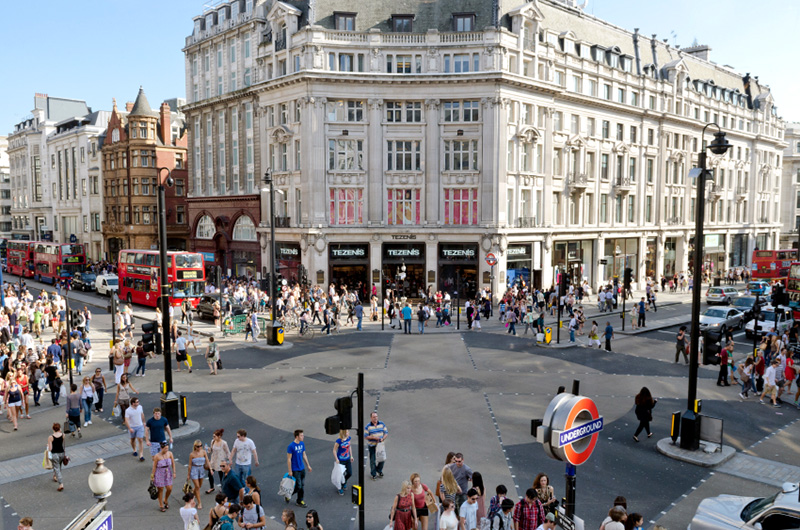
x,y
346,206
461,155
345,21
606,127
649,164
345,155
632,169
461,206
631,208
593,88
232,49
246,45
402,23
634,132
620,131
591,127
403,156
577,84
618,209
558,121
604,167
651,137
648,209
233,81
607,92
403,206
463,22
621,95
652,102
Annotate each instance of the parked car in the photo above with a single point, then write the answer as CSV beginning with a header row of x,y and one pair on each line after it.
x,y
205,307
759,287
84,281
766,321
107,284
780,511
746,304
721,295
722,319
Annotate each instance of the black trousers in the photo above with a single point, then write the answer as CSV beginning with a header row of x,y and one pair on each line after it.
x,y
643,425
640,322
608,344
722,378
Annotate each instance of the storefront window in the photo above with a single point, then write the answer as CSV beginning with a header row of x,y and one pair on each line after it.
x,y
575,256
650,259
458,269
349,267
404,268
518,259
403,207
244,229
619,255
670,253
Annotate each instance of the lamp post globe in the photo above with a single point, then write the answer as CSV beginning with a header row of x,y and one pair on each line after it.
x,y
100,480
720,144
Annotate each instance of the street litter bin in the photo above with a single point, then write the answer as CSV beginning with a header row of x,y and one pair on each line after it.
x,y
548,335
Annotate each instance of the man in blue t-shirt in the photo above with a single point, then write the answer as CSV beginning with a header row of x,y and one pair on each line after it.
x,y
297,461
609,334
642,308
156,431
406,312
344,455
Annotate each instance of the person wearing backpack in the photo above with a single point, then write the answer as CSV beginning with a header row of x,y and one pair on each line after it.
x,y
252,515
504,518
212,356
226,521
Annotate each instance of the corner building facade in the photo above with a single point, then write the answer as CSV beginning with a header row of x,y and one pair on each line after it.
x,y
425,140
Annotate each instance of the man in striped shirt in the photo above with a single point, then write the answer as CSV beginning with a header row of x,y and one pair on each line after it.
x,y
375,432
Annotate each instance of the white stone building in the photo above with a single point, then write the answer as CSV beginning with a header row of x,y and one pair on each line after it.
x,y
55,174
790,187
432,137
5,190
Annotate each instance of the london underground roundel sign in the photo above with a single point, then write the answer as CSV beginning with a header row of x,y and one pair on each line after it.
x,y
570,428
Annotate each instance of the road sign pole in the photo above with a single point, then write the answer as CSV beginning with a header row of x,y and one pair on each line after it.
x,y
569,497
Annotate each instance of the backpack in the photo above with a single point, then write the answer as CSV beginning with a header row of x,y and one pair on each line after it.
x,y
494,506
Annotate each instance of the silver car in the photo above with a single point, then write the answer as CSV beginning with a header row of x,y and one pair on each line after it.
x,y
721,319
780,511
721,295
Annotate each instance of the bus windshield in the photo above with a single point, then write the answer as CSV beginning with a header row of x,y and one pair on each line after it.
x,y
187,289
68,250
189,261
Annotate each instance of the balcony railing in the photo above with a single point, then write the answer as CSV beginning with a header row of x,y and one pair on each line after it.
x,y
282,221
577,182
527,222
674,220
623,184
280,44
763,219
715,191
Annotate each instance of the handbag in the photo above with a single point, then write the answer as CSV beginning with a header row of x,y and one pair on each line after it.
x,y
430,502
219,364
206,465
286,487
337,475
187,487
194,525
152,490
65,461
46,462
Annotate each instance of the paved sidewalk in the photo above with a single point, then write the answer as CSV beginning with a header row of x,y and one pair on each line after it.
x,y
760,470
79,454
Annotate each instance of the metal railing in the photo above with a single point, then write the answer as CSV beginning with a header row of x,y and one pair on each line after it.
x,y
623,182
282,221
280,44
527,222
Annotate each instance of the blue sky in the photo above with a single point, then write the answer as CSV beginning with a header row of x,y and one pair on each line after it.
x,y
99,49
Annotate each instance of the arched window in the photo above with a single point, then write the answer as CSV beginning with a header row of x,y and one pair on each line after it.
x,y
115,135
244,229
205,228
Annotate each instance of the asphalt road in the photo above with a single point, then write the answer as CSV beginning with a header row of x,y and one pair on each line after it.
x,y
473,392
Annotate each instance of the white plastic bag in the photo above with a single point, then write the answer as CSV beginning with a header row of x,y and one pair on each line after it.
x,y
287,486
540,337
337,475
116,411
380,452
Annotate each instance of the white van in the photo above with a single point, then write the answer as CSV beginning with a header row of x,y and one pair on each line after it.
x,y
107,284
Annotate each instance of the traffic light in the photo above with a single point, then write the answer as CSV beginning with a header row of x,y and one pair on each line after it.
x,y
149,337
278,284
343,418
627,279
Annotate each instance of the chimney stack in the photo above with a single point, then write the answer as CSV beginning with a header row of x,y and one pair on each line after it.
x,y
129,106
165,125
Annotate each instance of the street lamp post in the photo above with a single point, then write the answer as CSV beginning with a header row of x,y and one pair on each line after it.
x,y
690,422
272,338
169,400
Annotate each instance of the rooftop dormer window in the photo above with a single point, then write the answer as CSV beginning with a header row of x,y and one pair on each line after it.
x,y
402,23
463,22
344,21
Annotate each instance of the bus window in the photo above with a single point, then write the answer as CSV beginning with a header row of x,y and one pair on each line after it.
x,y
189,261
150,259
139,285
139,259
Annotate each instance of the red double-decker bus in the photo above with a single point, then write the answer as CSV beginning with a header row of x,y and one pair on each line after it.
x,y
772,265
54,261
20,258
139,276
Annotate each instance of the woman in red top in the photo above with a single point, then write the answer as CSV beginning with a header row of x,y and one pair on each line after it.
x,y
22,380
404,514
420,491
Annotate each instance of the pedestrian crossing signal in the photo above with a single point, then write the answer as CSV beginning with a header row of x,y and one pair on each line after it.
x,y
356,495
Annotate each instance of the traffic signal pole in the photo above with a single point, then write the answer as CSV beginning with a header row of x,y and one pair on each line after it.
x,y
69,338
361,441
169,401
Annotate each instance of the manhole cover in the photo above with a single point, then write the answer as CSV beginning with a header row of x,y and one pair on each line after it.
x,y
324,378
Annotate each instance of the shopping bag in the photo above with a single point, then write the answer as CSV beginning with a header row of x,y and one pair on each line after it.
x,y
337,475
187,487
116,411
540,337
380,452
95,398
189,360
46,462
287,486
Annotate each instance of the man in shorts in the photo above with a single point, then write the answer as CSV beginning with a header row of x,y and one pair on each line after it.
x,y
770,383
156,430
134,421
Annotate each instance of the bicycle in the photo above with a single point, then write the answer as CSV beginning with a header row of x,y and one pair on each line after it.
x,y
308,332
